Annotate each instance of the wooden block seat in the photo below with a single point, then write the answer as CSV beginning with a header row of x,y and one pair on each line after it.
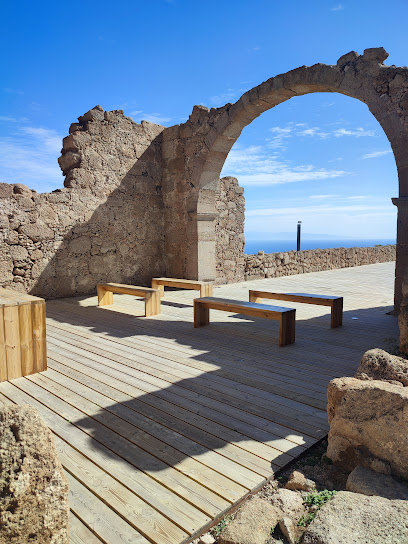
x,y
335,302
151,296
285,316
23,348
205,288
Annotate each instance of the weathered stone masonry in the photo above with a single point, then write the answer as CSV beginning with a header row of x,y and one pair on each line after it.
x,y
141,200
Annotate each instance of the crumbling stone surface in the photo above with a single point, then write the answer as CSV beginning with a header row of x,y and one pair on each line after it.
x,y
368,425
377,364
33,489
229,230
252,524
403,319
106,224
351,517
367,482
274,265
298,482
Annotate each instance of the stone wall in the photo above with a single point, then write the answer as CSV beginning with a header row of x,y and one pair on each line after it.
x,y
273,265
229,231
106,224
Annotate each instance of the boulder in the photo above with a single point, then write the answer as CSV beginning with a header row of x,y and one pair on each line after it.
x,y
377,364
288,503
33,489
298,482
353,518
368,425
252,524
367,482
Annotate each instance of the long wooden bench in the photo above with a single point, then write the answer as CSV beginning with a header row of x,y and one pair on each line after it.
x,y
285,316
151,296
205,288
335,303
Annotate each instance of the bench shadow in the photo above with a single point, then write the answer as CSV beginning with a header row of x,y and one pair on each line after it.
x,y
240,386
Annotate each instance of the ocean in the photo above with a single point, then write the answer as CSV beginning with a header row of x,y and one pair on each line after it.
x,y
275,246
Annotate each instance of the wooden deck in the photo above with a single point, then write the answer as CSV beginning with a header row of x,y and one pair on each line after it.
x,y
161,427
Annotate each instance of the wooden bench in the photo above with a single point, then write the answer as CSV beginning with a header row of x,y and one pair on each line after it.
x,y
205,288
23,349
151,296
335,303
285,316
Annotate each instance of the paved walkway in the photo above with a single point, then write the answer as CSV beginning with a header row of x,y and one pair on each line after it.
x,y
161,427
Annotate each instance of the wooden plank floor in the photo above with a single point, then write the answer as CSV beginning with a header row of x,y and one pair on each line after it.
x,y
161,427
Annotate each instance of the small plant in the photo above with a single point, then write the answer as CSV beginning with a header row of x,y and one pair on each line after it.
x,y
316,499
216,530
306,520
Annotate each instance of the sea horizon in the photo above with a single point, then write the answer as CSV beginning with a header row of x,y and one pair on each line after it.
x,y
275,246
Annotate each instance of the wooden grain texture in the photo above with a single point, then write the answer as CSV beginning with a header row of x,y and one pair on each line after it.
x,y
151,296
162,427
40,336
25,315
3,360
335,302
12,341
285,316
205,288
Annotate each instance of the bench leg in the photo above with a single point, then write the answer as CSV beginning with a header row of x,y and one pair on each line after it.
x,y
206,291
287,328
104,297
152,303
156,285
253,298
337,313
201,315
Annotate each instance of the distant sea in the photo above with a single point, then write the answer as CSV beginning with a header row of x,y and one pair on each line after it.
x,y
275,246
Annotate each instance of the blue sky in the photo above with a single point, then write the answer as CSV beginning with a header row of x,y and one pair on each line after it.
x,y
322,159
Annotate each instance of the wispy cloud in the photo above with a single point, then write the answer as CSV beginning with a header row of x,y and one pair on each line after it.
x,y
339,7
323,197
255,165
5,119
157,118
31,157
292,130
11,91
376,154
229,95
357,133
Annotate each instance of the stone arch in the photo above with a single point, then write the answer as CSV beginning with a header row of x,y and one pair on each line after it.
x,y
204,141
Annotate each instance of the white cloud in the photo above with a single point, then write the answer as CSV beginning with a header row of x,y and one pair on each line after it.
x,y
358,133
376,220
339,7
47,137
323,197
314,131
157,118
230,95
255,166
6,119
375,154
31,157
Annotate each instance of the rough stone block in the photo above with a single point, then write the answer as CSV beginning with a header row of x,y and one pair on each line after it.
x,y
33,489
359,413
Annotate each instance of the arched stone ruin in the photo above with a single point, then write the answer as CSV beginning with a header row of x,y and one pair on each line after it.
x,y
142,200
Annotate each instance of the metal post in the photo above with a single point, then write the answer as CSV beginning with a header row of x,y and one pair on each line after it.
x,y
298,235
